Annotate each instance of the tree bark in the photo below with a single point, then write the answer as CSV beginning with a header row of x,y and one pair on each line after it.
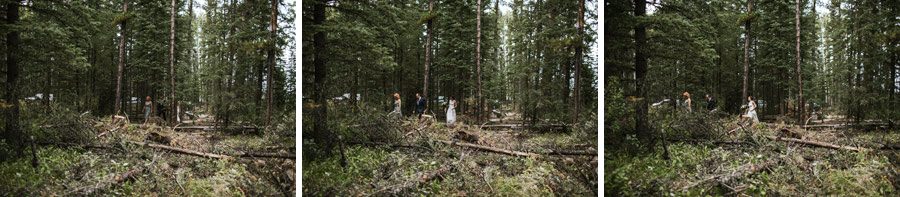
x,y
640,69
747,49
121,67
173,109
321,106
478,61
800,104
579,50
428,36
12,78
273,25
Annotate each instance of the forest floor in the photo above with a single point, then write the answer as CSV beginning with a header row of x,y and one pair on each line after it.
x,y
766,159
434,159
89,157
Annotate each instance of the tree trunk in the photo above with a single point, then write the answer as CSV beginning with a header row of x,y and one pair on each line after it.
x,y
579,50
12,77
173,110
273,25
800,104
478,61
428,36
191,46
319,87
747,49
121,67
640,69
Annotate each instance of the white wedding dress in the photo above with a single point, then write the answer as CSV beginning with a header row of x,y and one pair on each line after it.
x,y
451,113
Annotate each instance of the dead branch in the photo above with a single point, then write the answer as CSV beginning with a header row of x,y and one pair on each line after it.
x,y
266,155
424,178
573,152
745,170
181,150
815,143
110,131
890,146
118,179
695,141
487,148
389,145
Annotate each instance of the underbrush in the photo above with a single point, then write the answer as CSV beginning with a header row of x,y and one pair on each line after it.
x,y
384,170
74,160
800,170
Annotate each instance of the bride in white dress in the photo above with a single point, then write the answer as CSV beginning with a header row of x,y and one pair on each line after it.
x,y
751,111
451,111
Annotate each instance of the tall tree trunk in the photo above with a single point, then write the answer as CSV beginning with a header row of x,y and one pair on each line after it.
x,y
191,39
497,56
173,110
800,104
121,67
579,50
478,60
428,36
747,49
12,78
321,106
640,69
273,29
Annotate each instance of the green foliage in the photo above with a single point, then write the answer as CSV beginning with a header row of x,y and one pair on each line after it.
x,y
331,178
21,178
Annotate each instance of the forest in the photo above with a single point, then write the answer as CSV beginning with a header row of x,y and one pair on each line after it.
x,y
147,98
449,97
751,97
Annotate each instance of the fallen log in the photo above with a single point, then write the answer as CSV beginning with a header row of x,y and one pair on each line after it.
x,y
815,143
212,127
181,150
745,170
890,146
216,156
573,152
266,155
487,148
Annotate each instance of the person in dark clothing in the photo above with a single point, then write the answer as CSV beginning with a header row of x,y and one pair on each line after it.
x,y
710,103
161,111
420,105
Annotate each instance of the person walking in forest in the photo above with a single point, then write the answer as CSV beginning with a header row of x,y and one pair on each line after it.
x,y
420,105
451,111
710,103
687,100
161,110
148,108
751,110
396,107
